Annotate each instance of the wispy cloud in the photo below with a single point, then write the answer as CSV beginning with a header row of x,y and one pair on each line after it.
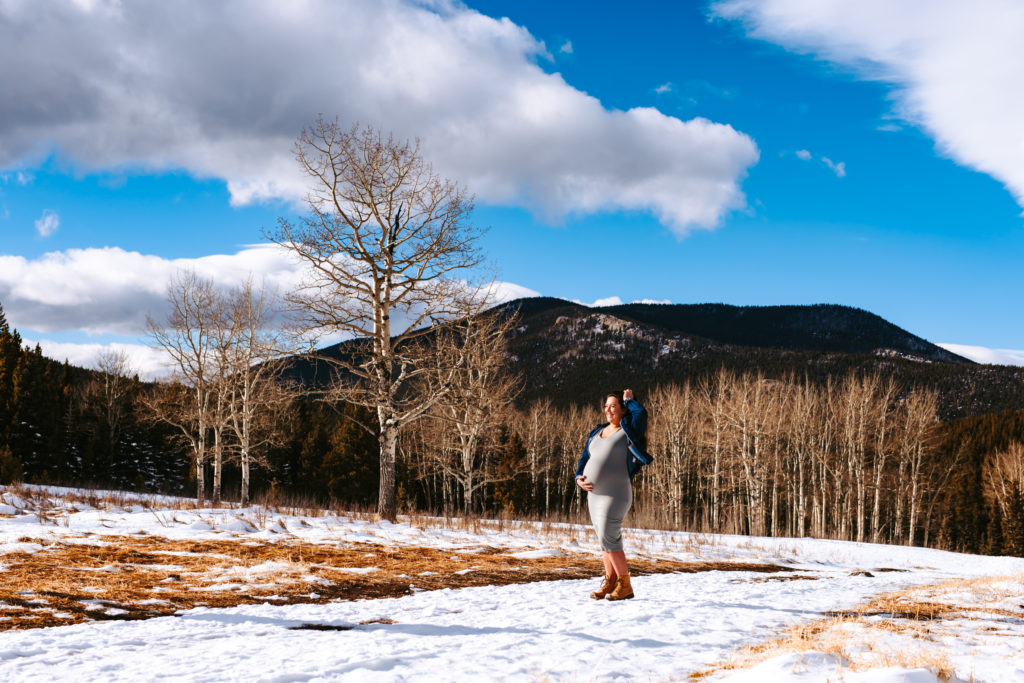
x,y
514,133
839,168
982,354
663,88
955,66
48,223
566,48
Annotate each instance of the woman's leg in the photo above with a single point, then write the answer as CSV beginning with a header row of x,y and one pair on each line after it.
x,y
609,566
617,560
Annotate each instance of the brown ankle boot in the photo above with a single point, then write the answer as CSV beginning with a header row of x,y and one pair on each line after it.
x,y
622,590
606,587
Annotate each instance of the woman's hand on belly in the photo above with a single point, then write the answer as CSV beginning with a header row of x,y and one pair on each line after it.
x,y
582,482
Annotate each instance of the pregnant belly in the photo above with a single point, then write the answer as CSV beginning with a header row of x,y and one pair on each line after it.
x,y
607,479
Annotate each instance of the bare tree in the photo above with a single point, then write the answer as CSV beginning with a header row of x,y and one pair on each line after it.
x,y
253,350
1005,475
534,429
384,243
109,393
188,337
915,445
473,360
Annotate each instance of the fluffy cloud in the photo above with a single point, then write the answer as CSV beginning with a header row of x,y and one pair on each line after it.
x,y
221,90
110,291
982,354
956,67
48,223
803,154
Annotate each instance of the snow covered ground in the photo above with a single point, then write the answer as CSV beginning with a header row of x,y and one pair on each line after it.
x,y
677,625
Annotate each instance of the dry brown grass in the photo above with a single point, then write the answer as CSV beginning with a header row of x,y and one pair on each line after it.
x,y
856,638
853,642
138,577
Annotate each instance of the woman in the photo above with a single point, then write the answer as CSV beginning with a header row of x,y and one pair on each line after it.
x,y
614,453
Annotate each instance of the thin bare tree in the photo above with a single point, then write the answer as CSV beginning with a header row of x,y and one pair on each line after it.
x,y
110,393
187,336
387,247
253,349
473,359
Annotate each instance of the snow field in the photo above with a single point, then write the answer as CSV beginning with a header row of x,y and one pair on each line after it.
x,y
678,624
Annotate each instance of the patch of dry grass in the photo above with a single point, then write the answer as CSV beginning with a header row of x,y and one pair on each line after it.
x,y
860,638
138,577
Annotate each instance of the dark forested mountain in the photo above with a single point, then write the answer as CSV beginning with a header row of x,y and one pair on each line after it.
x,y
821,327
572,353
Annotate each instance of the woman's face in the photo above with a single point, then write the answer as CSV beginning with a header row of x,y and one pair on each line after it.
x,y
613,410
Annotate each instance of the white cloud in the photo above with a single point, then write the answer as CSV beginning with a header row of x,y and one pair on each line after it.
x,y
150,363
501,292
981,354
957,68
606,301
24,178
838,168
566,47
663,88
617,301
48,223
803,154
110,290
108,85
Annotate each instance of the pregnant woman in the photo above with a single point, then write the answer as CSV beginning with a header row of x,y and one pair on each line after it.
x,y
613,455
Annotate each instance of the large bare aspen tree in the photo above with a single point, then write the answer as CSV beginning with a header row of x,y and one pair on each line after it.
x,y
388,245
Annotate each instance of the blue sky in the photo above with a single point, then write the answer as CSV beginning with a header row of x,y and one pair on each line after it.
x,y
750,152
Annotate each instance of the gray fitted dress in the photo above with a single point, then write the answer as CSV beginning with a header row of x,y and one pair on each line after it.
x,y
613,494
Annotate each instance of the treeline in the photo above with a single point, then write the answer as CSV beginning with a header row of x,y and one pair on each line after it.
x,y
859,458
62,424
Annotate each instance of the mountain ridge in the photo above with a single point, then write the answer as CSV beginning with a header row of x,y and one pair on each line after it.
x,y
813,327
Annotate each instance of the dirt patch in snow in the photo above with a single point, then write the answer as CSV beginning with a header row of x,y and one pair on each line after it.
x,y
129,577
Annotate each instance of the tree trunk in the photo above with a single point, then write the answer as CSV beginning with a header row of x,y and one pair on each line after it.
x,y
244,457
218,460
388,446
200,482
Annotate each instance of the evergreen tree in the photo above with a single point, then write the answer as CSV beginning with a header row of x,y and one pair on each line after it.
x,y
351,466
10,466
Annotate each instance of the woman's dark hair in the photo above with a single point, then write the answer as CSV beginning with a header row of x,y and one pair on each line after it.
x,y
618,396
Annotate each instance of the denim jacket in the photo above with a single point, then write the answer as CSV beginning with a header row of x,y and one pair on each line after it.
x,y
634,425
